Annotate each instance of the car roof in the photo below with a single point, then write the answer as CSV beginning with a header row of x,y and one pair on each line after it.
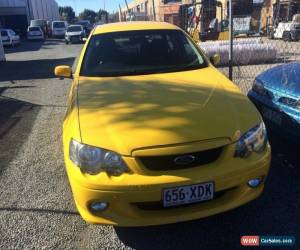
x,y
133,25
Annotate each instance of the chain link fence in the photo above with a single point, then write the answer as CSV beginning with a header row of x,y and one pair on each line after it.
x,y
266,43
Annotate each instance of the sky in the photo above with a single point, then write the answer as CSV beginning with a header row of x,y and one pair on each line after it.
x,y
80,5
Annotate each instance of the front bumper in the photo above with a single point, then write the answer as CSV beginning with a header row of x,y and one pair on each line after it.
x,y
130,196
74,39
6,42
35,37
58,34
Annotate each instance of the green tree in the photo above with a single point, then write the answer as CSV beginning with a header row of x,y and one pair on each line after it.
x,y
67,13
102,16
88,15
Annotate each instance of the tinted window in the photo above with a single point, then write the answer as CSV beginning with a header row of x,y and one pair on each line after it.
x,y
140,52
59,25
4,33
38,22
74,29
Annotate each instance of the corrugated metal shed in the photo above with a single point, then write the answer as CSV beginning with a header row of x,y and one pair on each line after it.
x,y
44,9
17,14
34,9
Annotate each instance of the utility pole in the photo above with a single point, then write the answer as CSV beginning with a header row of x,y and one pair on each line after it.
x,y
154,12
127,6
121,14
231,31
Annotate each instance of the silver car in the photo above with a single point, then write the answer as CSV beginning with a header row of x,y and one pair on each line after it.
x,y
75,34
35,33
9,37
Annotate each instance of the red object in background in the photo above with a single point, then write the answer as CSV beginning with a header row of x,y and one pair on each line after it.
x,y
250,240
196,19
170,9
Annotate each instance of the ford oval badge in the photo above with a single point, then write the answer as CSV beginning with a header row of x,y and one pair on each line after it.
x,y
184,159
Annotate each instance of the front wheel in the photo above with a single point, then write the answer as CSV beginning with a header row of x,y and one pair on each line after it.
x,y
287,36
271,35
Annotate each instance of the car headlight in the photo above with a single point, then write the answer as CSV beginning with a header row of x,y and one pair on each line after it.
x,y
254,140
259,88
93,160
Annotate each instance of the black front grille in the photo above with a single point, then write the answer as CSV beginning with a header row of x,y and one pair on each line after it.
x,y
158,205
291,102
168,162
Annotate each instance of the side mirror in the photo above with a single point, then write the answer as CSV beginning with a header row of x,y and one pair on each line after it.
x,y
63,71
215,59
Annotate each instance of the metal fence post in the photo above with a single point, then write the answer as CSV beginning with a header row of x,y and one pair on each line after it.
x,y
154,11
230,39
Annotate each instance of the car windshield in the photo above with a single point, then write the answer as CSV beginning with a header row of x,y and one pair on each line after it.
x,y
34,29
74,28
59,25
141,52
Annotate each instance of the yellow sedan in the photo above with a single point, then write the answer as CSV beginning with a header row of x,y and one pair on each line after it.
x,y
154,133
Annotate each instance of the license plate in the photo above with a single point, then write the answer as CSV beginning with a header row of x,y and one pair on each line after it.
x,y
188,194
272,116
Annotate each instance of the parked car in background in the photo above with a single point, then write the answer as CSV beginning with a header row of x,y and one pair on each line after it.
x,y
58,28
154,133
287,31
276,94
35,33
86,25
41,23
9,37
75,34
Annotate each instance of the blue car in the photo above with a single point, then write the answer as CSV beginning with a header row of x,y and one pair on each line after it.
x,y
276,94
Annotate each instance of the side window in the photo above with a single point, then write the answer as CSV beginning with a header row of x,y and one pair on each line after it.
x,y
11,32
4,33
224,25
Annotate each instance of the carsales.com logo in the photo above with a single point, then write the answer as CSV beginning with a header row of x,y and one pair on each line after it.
x,y
255,240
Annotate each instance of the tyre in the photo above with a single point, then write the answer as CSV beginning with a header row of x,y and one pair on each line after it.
x,y
287,36
67,42
271,35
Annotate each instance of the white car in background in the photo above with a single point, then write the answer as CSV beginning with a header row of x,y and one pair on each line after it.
x,y
9,37
59,28
75,34
287,31
35,33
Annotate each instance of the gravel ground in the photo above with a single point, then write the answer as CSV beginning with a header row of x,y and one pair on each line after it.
x,y
36,208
